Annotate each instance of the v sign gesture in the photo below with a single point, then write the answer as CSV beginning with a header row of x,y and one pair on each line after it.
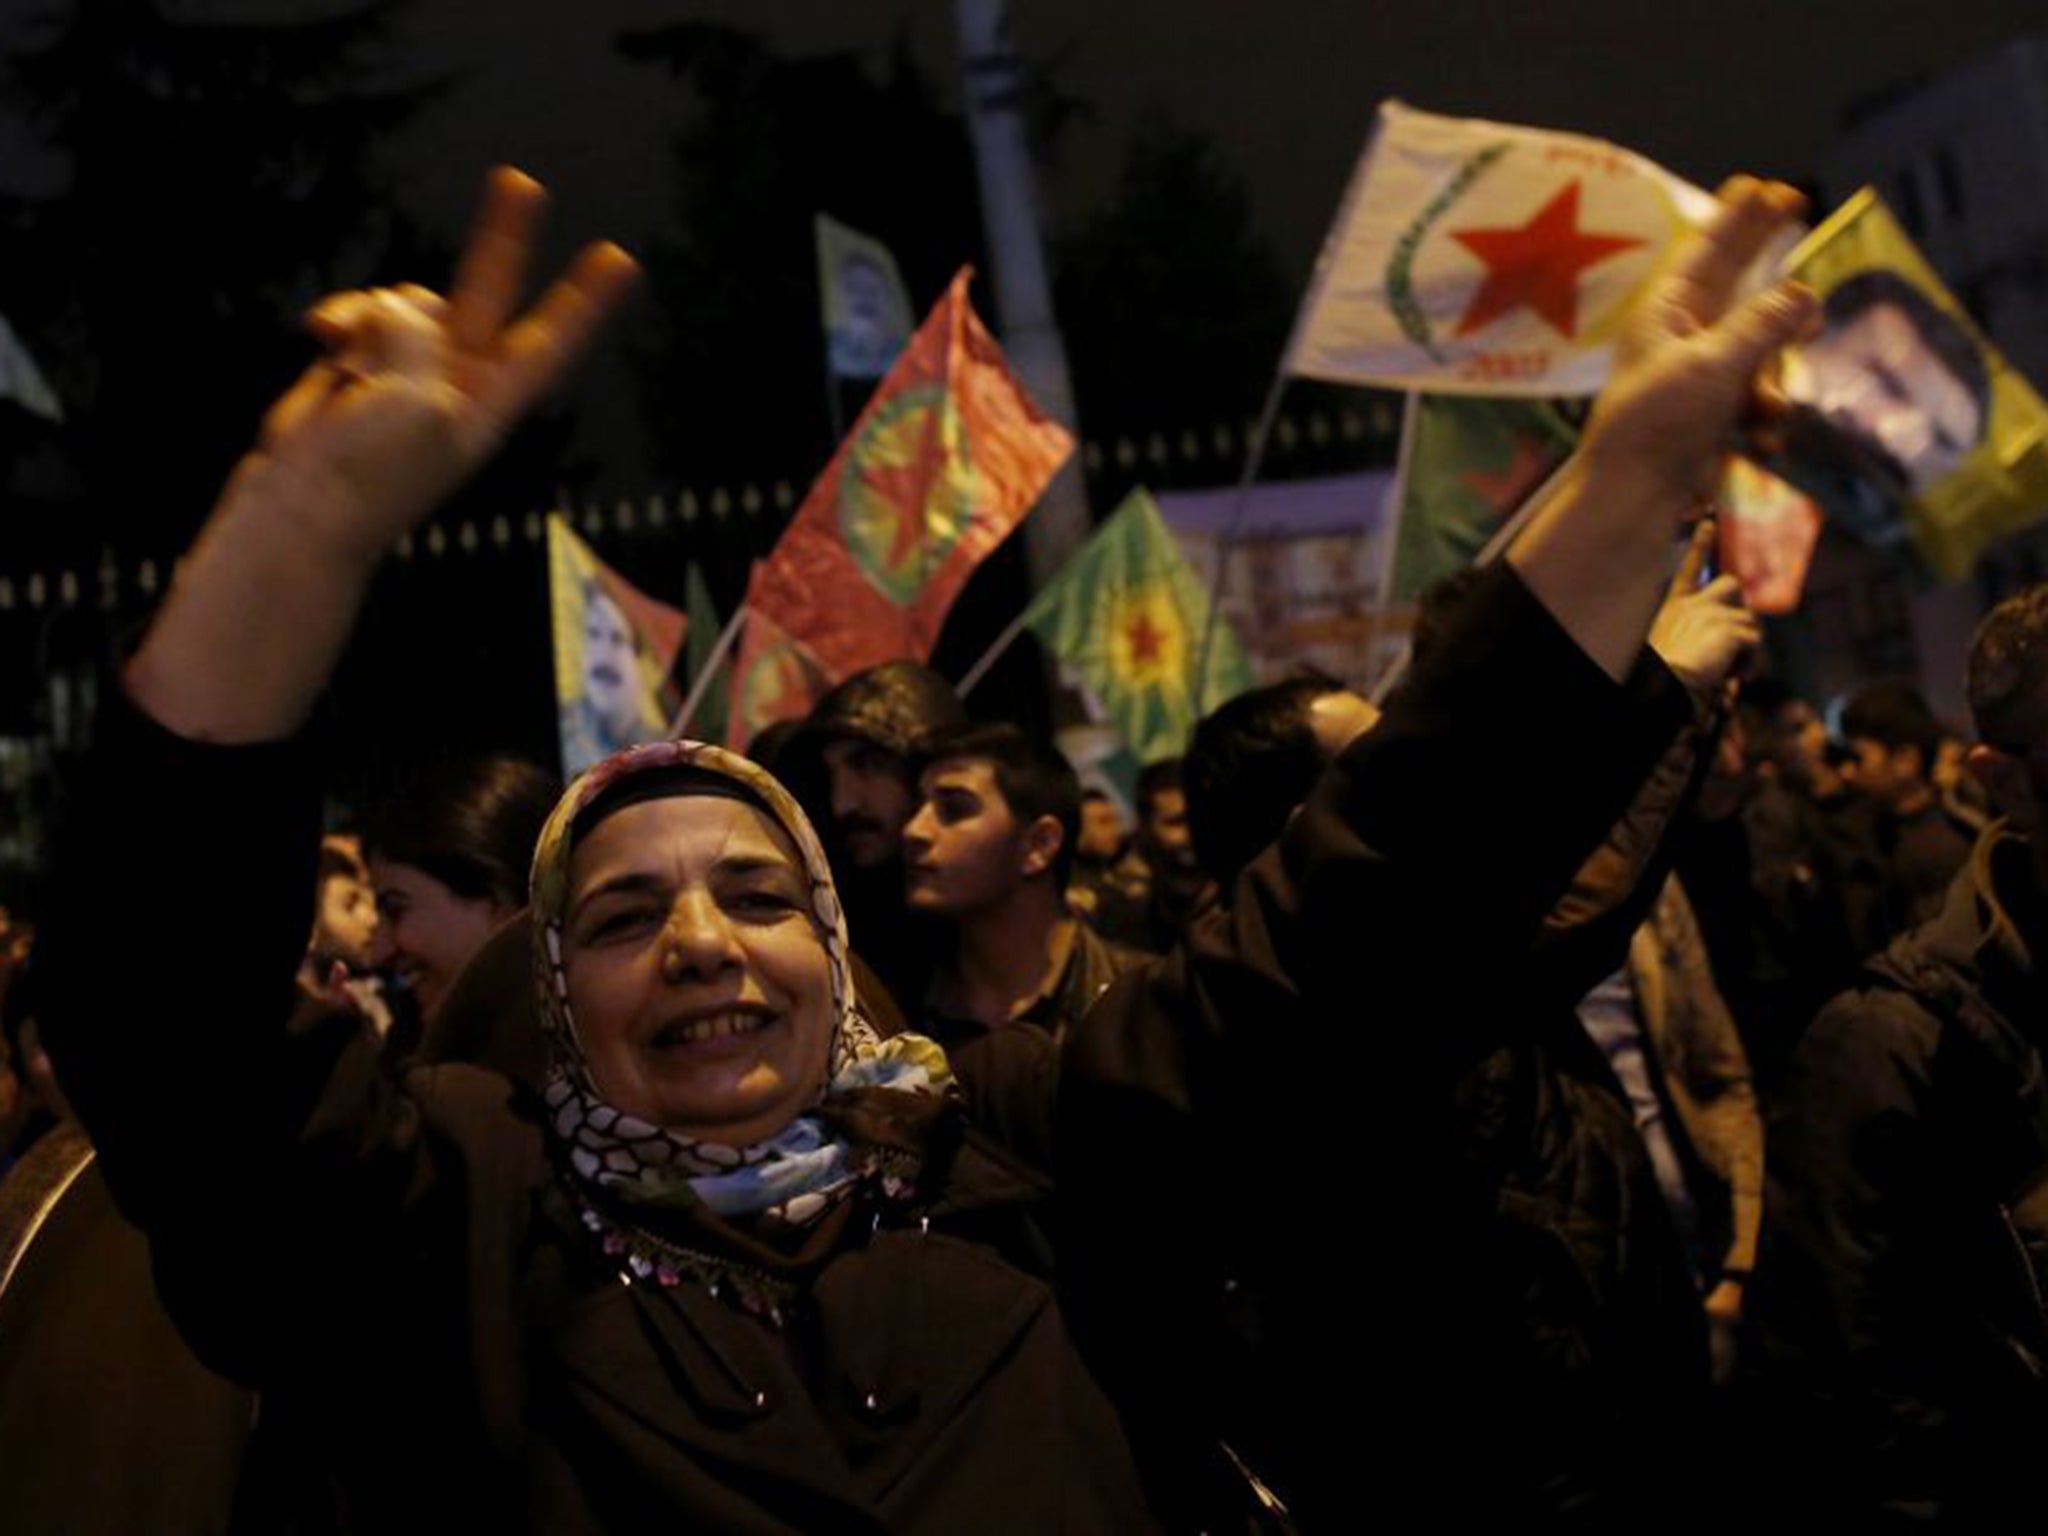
x,y
414,393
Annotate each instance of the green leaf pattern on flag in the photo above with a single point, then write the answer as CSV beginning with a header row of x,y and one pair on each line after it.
x,y
1127,617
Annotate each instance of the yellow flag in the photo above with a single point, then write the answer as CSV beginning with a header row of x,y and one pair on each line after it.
x,y
1913,427
614,647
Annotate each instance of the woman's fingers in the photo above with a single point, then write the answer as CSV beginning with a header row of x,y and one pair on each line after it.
x,y
424,299
539,348
332,319
493,265
409,338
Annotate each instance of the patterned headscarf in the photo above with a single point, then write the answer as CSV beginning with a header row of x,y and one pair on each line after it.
x,y
621,1162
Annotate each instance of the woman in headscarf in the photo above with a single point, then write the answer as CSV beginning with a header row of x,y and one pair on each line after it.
x,y
711,1065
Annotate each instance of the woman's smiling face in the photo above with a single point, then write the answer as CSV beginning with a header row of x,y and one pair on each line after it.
x,y
697,978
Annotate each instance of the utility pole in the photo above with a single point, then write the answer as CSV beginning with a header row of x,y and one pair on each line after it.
x,y
993,84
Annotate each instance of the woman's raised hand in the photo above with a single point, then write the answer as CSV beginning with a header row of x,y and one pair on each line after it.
x,y
416,390
413,394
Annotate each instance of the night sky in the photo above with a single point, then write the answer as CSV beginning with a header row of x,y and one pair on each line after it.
x,y
1286,91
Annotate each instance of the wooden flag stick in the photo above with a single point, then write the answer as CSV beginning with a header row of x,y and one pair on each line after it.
x,y
975,673
702,685
1254,458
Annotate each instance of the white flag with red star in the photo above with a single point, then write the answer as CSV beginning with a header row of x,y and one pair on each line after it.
x,y
1475,258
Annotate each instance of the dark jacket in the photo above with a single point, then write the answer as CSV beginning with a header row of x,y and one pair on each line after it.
x,y
1899,1288
1395,1241
1010,1076
390,1258
1704,1078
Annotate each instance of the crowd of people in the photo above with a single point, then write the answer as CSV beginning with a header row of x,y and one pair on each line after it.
x,y
1588,1091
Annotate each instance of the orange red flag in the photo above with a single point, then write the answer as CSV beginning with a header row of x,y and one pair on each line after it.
x,y
944,462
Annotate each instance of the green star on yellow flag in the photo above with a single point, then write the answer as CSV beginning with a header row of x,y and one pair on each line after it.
x,y
1126,617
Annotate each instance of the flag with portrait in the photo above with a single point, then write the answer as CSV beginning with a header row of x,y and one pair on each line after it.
x,y
1909,428
867,311
614,649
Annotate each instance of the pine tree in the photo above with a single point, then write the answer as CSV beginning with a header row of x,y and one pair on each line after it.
x,y
221,175
1173,307
733,366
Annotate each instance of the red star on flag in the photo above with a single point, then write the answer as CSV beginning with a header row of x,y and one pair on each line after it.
x,y
1145,639
1537,266
904,486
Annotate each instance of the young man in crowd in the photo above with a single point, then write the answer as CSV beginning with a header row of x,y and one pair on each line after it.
x,y
1178,886
1111,884
1912,845
1902,1267
987,855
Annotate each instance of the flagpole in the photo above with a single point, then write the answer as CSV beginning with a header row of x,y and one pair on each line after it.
x,y
1493,549
702,685
1390,534
975,673
1326,260
1254,459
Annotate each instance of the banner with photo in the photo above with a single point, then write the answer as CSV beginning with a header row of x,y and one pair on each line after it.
x,y
1306,572
867,310
1767,530
614,649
